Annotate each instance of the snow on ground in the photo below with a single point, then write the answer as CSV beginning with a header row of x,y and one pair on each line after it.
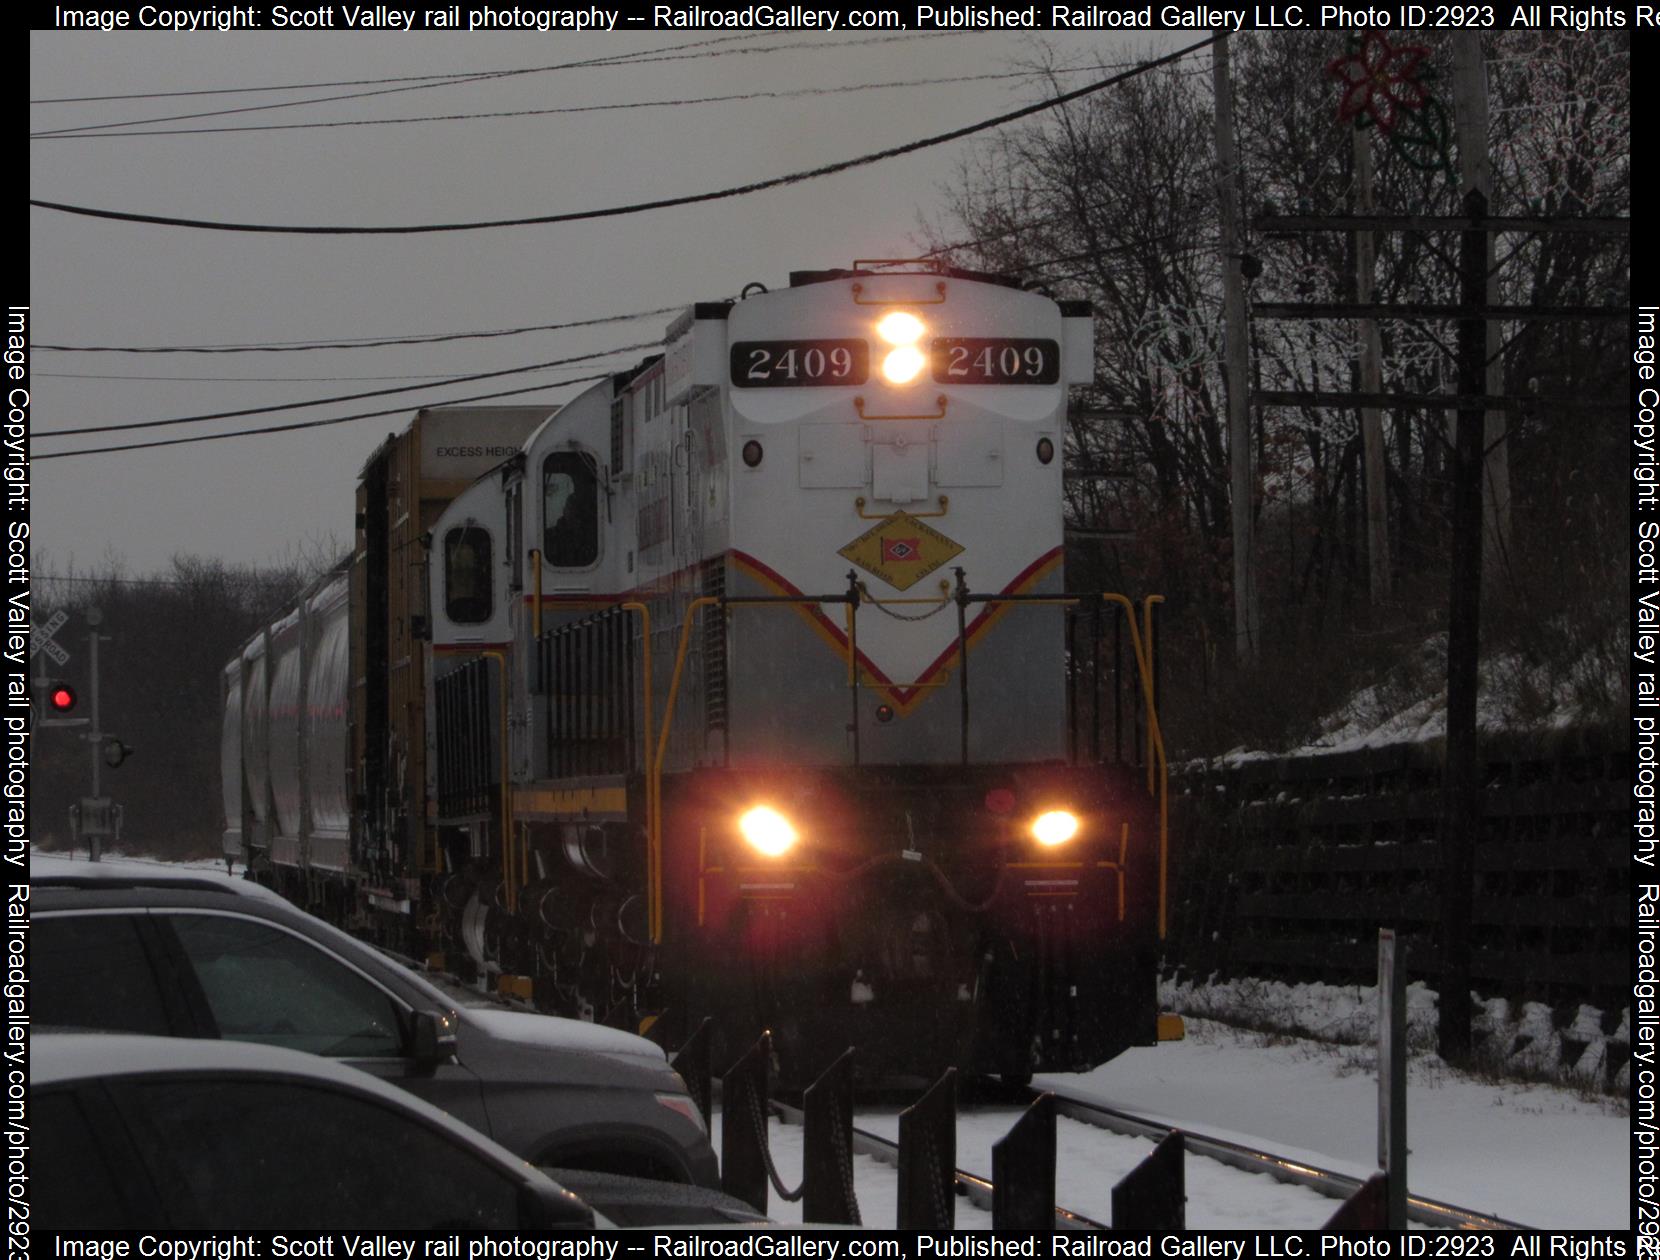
x,y
1409,704
1521,1042
1534,1154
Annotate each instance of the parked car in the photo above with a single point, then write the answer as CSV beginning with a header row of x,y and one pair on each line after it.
x,y
163,950
132,1132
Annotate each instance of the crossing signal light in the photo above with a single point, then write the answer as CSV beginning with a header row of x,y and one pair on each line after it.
x,y
60,697
115,752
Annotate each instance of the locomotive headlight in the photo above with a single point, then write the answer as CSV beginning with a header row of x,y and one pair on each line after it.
x,y
1054,828
900,328
902,364
767,831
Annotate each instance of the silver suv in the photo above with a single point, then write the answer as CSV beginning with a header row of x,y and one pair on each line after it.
x,y
175,951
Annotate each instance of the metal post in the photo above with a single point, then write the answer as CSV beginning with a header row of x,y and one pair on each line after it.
x,y
1461,820
95,736
1392,1078
1023,1171
743,1106
1152,1197
1371,377
827,1194
1475,171
692,1062
928,1158
1236,364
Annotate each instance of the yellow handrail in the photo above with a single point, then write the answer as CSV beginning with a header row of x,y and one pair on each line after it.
x,y
1147,603
654,782
1157,764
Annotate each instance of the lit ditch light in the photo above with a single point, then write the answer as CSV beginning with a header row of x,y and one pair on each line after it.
x,y
767,831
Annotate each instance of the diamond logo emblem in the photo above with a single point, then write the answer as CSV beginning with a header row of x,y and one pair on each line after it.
x,y
901,550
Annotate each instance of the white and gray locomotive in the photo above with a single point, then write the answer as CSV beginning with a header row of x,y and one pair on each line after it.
x,y
745,684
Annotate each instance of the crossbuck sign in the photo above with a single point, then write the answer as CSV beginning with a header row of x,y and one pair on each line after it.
x,y
41,640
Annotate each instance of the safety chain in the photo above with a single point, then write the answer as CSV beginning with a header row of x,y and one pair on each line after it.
x,y
844,1164
757,1114
899,616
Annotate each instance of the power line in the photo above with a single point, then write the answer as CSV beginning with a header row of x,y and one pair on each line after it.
x,y
792,93
339,398
644,57
333,83
318,424
450,81
363,343
283,428
234,380
231,380
639,207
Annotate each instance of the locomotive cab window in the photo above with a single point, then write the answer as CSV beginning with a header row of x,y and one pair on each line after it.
x,y
468,598
570,510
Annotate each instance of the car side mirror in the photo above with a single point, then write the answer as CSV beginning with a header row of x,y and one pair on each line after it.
x,y
543,1205
433,1040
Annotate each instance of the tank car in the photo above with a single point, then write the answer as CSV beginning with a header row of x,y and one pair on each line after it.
x,y
749,685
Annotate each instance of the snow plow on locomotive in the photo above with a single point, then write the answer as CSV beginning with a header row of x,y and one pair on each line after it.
x,y
747,685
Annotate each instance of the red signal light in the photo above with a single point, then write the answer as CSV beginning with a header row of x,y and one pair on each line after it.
x,y
60,696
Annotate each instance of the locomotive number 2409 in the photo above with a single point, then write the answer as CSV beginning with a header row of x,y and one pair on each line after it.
x,y
996,361
825,361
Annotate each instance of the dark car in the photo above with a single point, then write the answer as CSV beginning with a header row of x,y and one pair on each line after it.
x,y
146,1132
181,952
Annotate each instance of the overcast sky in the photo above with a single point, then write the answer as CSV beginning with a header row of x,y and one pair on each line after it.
x,y
258,499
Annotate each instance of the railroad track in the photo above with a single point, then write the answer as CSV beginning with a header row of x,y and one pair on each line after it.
x,y
1324,1181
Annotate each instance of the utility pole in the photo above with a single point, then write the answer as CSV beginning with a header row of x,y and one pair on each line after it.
x,y
1236,351
95,740
1371,375
1475,170
1461,819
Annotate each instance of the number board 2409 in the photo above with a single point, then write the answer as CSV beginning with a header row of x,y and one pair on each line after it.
x,y
776,364
996,361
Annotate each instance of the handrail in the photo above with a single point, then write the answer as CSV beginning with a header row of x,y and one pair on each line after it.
x,y
654,839
1158,766
859,503
941,402
536,615
509,890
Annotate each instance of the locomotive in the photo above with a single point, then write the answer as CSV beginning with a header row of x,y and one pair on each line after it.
x,y
746,684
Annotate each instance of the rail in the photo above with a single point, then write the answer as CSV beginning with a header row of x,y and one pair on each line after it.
x,y
1335,1185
